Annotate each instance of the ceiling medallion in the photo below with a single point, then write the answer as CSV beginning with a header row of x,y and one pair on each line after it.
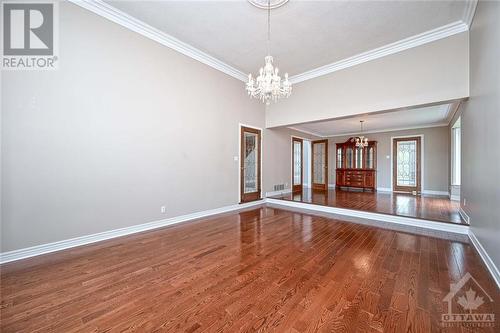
x,y
263,4
268,85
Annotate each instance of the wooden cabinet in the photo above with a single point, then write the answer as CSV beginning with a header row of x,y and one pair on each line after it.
x,y
356,166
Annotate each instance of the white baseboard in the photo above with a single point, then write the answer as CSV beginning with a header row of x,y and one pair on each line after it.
x,y
492,268
274,193
454,197
431,192
464,215
428,192
400,220
88,239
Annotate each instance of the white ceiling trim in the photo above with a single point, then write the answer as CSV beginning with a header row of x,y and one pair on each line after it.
x,y
117,16
469,12
404,44
370,132
306,132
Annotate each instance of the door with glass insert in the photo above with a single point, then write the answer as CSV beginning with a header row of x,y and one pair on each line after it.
x,y
320,165
250,164
297,164
406,165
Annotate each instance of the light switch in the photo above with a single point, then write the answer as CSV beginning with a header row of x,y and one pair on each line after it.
x,y
236,158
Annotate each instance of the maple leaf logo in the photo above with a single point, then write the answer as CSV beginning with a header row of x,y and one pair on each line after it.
x,y
470,301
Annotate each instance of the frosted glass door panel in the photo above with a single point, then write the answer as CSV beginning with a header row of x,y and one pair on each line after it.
x,y
406,163
297,163
251,161
319,163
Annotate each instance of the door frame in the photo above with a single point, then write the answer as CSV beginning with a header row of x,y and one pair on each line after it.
x,y
422,160
325,141
301,140
239,160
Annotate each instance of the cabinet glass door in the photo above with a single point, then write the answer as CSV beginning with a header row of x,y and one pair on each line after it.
x,y
349,158
359,157
370,157
339,158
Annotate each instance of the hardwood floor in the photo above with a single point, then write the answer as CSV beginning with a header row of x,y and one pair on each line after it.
x,y
437,208
259,270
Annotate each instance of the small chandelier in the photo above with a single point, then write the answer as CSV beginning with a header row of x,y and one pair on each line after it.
x,y
268,85
361,141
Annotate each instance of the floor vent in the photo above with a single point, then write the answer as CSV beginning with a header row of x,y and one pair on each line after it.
x,y
279,187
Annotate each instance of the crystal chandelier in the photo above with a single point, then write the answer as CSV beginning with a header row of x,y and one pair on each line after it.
x,y
268,85
361,141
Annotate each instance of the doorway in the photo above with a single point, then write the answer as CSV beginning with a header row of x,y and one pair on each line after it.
x,y
406,168
250,164
297,164
319,165
301,164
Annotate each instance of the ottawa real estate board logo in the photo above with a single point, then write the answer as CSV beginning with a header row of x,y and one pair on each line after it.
x,y
30,35
468,305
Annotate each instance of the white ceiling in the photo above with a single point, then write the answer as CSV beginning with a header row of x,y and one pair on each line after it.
x,y
305,34
381,122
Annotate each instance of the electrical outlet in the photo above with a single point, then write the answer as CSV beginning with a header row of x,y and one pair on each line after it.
x,y
163,209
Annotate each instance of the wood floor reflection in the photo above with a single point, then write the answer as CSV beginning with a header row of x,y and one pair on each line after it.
x,y
437,208
255,271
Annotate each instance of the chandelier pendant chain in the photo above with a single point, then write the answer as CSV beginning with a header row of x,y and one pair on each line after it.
x,y
268,85
269,27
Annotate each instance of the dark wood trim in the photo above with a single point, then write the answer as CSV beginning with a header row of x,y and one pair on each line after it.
x,y
247,197
318,186
297,187
407,189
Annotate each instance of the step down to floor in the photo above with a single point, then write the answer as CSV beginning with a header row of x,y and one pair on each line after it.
x,y
395,222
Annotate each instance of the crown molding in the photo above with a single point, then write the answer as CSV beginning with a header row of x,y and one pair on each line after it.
x,y
470,10
306,132
117,16
452,110
370,132
404,44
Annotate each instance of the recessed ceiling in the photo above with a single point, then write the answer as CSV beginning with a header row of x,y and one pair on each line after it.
x,y
438,115
304,34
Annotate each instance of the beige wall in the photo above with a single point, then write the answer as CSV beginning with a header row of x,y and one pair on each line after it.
x,y
435,163
124,126
480,190
433,72
277,155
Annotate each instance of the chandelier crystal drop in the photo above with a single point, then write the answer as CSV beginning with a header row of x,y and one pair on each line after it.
x,y
268,85
361,141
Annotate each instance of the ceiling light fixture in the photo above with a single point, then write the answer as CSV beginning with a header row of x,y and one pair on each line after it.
x,y
268,86
361,141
